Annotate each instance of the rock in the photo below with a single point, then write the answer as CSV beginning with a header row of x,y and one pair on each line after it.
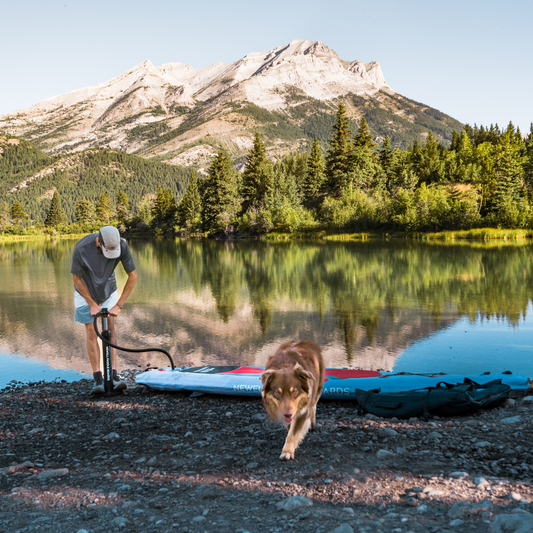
x,y
258,416
152,461
47,474
343,528
294,502
484,506
455,523
198,519
527,399
515,496
348,510
82,531
387,432
434,435
383,455
35,431
459,509
435,493
483,444
512,523
111,436
458,475
120,521
510,420
509,402
481,482
252,465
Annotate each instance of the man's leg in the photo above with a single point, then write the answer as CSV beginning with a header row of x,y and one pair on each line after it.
x,y
93,348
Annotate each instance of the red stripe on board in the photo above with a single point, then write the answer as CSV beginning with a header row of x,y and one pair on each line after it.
x,y
329,372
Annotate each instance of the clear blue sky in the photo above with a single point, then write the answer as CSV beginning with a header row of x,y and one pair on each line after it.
x,y
471,59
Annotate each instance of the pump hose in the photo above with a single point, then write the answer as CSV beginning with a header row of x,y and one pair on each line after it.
x,y
134,350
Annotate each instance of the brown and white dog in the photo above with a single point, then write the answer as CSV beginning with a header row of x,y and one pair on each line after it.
x,y
292,383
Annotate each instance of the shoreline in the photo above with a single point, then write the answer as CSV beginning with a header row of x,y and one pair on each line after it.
x,y
158,461
481,234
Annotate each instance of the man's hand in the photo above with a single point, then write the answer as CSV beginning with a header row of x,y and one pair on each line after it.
x,y
115,311
95,309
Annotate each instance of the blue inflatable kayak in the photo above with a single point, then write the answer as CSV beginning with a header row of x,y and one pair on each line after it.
x,y
339,384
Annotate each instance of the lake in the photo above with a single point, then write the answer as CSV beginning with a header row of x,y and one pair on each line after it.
x,y
392,305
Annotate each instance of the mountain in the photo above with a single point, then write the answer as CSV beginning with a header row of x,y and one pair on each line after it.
x,y
183,115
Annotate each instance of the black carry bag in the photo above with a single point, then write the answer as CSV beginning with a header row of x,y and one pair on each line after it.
x,y
442,400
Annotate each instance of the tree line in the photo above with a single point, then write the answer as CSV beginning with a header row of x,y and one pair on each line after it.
x,y
484,178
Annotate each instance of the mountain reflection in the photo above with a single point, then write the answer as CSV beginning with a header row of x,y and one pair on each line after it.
x,y
211,302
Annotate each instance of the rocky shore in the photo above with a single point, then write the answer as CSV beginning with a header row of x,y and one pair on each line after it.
x,y
151,461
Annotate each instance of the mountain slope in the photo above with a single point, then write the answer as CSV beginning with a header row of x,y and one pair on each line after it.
x,y
288,93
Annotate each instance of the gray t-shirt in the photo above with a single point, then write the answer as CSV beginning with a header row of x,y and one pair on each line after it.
x,y
97,271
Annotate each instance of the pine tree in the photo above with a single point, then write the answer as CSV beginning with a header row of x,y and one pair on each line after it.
x,y
528,169
220,201
189,213
164,208
84,212
364,138
103,208
123,206
17,213
314,178
339,161
365,169
257,177
56,215
5,217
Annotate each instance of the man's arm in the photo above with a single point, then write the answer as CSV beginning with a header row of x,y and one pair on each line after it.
x,y
82,288
130,283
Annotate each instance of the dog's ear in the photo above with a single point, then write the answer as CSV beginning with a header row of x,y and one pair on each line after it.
x,y
303,375
266,377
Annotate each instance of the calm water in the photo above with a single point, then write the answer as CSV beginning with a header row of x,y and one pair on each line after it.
x,y
402,306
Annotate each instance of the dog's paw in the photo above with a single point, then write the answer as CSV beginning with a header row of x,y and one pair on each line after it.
x,y
286,456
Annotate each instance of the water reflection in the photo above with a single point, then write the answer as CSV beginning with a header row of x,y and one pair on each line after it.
x,y
235,302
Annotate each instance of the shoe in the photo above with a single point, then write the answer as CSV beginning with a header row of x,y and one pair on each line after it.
x,y
118,384
98,383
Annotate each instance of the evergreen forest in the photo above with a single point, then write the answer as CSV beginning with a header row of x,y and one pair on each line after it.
x,y
482,179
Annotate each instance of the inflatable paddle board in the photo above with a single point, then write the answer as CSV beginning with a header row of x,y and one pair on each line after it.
x,y
339,384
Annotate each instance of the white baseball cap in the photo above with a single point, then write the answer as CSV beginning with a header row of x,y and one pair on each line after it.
x,y
109,238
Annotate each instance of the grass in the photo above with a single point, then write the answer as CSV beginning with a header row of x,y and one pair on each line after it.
x,y
481,234
41,237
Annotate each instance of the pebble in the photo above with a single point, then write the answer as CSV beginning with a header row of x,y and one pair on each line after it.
x,y
515,496
528,399
387,432
35,431
512,523
120,521
197,519
511,420
385,454
434,435
82,531
344,528
111,436
294,502
47,474
455,523
458,475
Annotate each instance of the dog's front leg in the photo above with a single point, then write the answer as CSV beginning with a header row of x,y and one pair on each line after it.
x,y
297,431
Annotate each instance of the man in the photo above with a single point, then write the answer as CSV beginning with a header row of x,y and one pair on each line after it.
x,y
93,264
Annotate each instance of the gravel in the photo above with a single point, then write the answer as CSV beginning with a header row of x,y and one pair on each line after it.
x,y
152,461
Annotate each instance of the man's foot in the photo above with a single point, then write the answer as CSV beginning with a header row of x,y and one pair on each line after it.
x,y
98,383
118,383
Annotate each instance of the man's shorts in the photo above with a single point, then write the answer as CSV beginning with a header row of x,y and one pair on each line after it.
x,y
83,311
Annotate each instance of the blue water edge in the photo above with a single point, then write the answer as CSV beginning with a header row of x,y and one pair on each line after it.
x,y
19,368
467,347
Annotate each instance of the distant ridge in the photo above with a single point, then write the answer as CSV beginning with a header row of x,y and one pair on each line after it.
x,y
288,93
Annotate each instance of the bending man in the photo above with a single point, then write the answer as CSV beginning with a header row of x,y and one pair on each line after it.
x,y
95,287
